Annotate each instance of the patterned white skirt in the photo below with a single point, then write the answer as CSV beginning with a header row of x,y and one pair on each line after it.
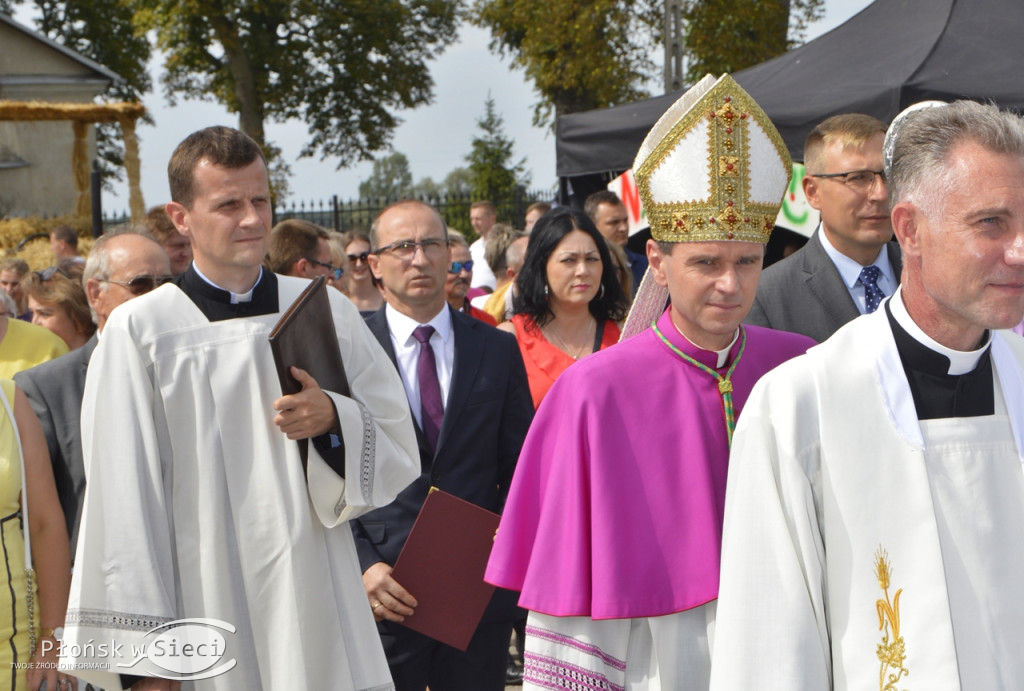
x,y
669,653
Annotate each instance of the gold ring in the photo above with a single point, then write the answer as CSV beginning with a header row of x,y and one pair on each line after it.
x,y
376,606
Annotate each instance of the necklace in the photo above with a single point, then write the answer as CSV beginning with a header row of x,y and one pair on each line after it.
x,y
574,353
724,383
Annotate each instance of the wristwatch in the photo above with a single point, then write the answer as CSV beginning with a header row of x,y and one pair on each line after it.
x,y
57,633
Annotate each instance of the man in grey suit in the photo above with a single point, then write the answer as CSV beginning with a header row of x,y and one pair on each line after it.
x,y
850,264
120,267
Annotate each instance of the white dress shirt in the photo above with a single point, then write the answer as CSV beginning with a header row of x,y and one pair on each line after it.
x,y
482,274
407,352
849,271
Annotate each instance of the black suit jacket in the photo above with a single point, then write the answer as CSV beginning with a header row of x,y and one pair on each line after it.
x,y
486,417
54,389
805,294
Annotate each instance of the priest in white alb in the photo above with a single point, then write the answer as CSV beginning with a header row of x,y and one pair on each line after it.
x,y
198,505
875,505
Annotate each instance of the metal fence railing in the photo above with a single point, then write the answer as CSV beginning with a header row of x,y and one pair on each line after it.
x,y
357,214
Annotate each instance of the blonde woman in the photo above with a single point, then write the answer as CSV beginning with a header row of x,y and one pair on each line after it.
x,y
51,552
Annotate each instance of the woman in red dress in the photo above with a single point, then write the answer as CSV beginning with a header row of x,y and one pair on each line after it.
x,y
569,298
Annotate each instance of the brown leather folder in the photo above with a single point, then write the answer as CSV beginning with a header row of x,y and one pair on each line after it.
x,y
442,566
304,337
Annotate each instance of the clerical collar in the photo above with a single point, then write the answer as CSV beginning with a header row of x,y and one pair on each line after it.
x,y
235,297
956,362
724,382
217,304
722,355
938,385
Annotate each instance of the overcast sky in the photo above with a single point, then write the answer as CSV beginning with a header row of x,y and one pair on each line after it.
x,y
435,138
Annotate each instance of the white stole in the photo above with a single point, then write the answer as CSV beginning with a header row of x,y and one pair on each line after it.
x,y
882,501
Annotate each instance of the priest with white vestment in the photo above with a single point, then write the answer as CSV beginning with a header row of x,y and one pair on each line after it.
x,y
875,502
198,505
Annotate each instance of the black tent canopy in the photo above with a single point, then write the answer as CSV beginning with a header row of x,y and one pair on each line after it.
x,y
890,55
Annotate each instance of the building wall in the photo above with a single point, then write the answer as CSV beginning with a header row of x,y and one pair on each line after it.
x,y
35,157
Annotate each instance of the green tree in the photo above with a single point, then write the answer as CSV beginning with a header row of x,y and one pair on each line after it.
x,y
492,173
426,188
730,35
579,55
458,182
586,55
342,67
390,179
103,31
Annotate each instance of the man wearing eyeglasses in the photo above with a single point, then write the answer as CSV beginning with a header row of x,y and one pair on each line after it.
x,y
460,273
199,506
120,267
850,263
466,386
300,248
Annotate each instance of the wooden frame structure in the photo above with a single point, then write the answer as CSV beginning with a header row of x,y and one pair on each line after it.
x,y
81,116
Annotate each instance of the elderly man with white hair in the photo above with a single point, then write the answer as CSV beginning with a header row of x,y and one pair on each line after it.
x,y
875,505
120,267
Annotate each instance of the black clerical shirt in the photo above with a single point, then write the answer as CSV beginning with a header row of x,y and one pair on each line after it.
x,y
938,394
216,305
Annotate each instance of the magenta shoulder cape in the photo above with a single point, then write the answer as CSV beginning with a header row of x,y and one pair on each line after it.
x,y
615,510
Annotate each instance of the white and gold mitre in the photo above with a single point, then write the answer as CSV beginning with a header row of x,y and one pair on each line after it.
x,y
713,167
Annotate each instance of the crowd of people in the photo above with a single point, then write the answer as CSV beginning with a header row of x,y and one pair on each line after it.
x,y
709,476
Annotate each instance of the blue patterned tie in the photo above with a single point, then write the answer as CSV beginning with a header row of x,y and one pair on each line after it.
x,y
873,294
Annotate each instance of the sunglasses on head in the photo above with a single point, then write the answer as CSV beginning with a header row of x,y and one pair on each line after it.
x,y
361,257
457,267
51,271
141,285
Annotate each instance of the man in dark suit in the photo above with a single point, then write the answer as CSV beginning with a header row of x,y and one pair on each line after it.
x,y
850,263
468,391
610,216
120,267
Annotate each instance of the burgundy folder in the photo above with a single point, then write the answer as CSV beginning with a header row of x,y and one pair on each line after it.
x,y
442,566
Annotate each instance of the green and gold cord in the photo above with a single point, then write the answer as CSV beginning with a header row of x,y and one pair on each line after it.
x,y
724,383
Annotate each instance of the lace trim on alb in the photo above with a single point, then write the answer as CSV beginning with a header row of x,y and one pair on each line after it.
x,y
367,460
114,620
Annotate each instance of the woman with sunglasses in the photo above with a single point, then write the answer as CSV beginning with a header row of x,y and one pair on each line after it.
x,y
58,303
362,287
569,298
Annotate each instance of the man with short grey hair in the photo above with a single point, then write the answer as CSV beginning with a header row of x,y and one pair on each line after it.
x,y
875,501
120,267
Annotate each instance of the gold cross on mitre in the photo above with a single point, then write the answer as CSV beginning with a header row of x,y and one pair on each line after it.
x,y
713,167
